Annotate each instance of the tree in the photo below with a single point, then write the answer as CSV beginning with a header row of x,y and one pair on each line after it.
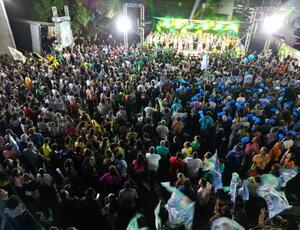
x,y
113,7
82,12
80,15
42,9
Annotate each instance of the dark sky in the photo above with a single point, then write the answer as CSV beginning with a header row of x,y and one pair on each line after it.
x,y
172,8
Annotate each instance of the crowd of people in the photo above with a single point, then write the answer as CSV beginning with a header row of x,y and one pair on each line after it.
x,y
87,135
197,42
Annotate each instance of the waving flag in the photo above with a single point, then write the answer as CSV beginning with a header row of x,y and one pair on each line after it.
x,y
218,184
157,218
209,165
226,223
14,144
133,224
168,186
276,201
234,186
286,175
245,190
217,176
17,55
269,180
181,209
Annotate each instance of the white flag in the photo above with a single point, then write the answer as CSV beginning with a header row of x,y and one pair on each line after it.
x,y
16,54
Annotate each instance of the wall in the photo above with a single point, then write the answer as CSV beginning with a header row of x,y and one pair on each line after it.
x,y
6,37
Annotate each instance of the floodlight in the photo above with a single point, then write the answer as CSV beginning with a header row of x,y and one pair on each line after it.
x,y
273,23
123,24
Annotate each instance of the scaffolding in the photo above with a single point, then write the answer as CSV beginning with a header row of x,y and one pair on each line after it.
x,y
140,21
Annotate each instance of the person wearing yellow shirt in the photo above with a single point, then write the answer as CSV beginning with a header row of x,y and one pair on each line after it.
x,y
261,160
80,144
46,148
27,82
187,150
69,144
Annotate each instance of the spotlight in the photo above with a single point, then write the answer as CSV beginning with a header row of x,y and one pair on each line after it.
x,y
273,23
123,24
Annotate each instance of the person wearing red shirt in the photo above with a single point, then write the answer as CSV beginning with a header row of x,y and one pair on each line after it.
x,y
176,164
27,110
139,166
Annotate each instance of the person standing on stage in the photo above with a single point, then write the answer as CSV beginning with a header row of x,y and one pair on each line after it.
x,y
191,43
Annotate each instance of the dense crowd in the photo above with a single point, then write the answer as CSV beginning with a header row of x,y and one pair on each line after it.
x,y
88,134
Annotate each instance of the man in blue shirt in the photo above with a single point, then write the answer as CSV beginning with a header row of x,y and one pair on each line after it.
x,y
234,158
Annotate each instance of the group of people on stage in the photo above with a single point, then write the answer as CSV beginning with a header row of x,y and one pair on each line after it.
x,y
198,42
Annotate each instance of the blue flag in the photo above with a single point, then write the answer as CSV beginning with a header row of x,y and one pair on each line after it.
x,y
181,209
276,201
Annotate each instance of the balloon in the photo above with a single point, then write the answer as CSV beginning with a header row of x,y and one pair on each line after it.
x,y
245,140
270,121
254,118
281,137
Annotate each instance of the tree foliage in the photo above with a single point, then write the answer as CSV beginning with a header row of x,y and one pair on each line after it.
x,y
42,9
82,12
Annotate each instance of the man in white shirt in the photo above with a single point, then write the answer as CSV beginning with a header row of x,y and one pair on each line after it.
x,y
152,159
153,166
162,130
149,110
193,164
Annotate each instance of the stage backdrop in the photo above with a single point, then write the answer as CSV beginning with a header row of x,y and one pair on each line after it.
x,y
176,24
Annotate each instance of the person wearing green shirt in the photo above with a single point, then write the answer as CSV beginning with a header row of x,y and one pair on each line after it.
x,y
140,64
163,151
196,143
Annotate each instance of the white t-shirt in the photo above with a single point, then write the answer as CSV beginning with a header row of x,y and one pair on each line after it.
x,y
153,161
241,99
162,132
193,165
149,111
